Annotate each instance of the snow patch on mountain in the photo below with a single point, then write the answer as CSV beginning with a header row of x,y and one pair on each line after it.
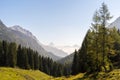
x,y
116,23
24,31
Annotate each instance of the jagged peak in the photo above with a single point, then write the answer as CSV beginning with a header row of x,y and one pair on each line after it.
x,y
19,28
1,21
115,23
22,30
2,24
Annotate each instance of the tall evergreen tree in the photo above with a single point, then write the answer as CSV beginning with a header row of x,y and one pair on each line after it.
x,y
26,58
75,63
30,58
96,39
26,64
1,54
12,55
19,56
36,61
5,53
104,17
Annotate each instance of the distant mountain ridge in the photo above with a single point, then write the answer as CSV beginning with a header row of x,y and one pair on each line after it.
x,y
67,59
70,57
24,31
23,37
50,49
55,51
115,23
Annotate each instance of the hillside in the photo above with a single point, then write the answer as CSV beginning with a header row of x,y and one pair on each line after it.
x,y
23,37
113,75
20,74
54,50
115,23
67,59
48,48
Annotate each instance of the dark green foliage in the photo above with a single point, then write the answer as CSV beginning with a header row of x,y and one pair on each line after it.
x,y
26,58
4,53
12,55
1,54
75,65
36,60
67,69
100,49
30,58
40,65
20,57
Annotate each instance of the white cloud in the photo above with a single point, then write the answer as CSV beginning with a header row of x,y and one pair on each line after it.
x,y
68,49
51,44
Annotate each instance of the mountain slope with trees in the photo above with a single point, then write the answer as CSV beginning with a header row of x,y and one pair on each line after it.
x,y
24,38
48,48
67,59
116,23
13,55
55,51
100,48
98,57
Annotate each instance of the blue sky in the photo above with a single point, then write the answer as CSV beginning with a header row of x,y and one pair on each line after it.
x,y
63,22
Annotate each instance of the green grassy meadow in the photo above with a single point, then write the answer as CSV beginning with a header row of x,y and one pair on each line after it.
x,y
7,73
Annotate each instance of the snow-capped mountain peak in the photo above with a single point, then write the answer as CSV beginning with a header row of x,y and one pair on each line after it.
x,y
24,31
54,50
116,23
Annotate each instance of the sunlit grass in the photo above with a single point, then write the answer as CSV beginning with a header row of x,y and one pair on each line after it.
x,y
20,74
7,73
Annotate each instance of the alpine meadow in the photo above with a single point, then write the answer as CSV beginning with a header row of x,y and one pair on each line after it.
x,y
55,52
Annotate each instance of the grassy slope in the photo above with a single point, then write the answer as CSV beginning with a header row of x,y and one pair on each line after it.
x,y
113,75
71,77
20,74
7,73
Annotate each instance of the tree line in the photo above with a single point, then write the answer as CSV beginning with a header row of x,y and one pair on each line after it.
x,y
13,55
100,50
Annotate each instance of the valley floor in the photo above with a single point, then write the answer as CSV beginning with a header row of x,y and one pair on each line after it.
x,y
20,74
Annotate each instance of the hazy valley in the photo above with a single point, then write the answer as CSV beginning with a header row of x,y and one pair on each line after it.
x,y
23,56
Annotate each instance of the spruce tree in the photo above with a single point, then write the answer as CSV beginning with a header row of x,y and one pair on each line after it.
x,y
30,58
12,55
1,54
5,53
36,61
19,56
75,63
